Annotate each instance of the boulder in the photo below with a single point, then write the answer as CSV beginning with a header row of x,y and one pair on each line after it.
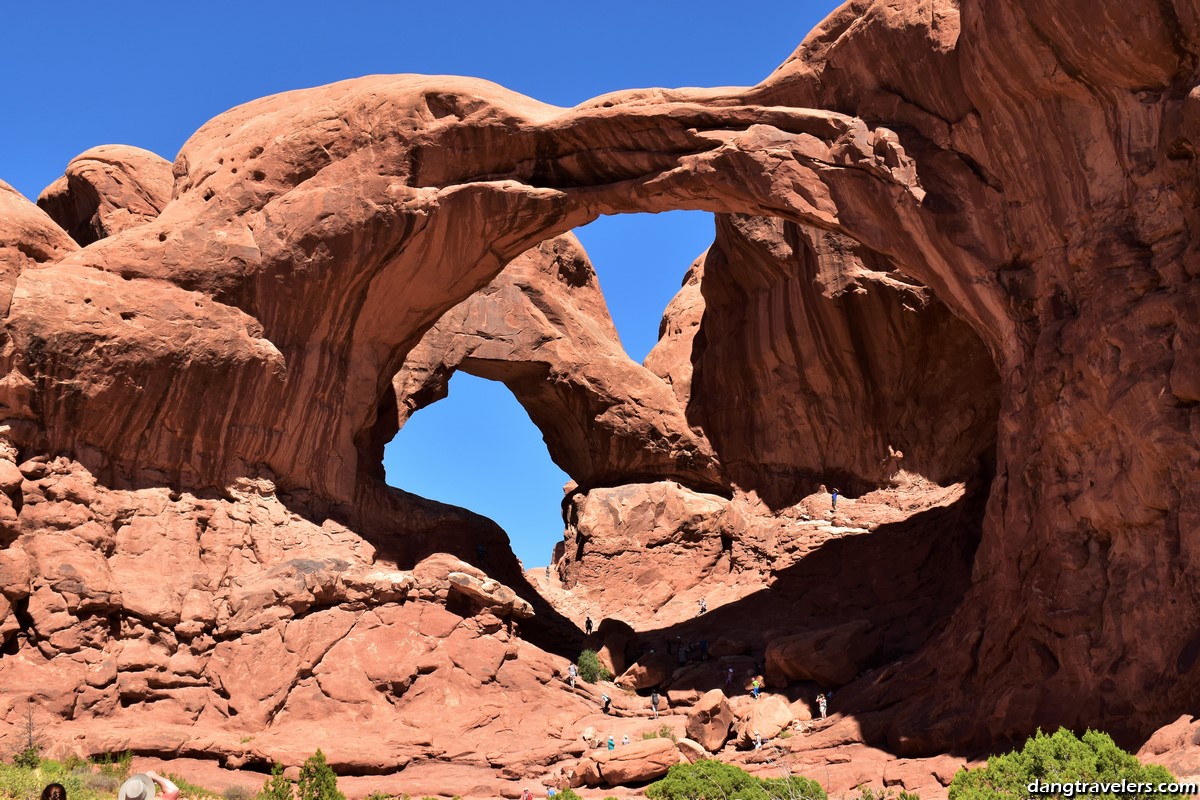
x,y
690,750
709,722
766,717
633,763
650,670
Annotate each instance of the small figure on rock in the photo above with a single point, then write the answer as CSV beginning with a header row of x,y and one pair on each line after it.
x,y
587,626
822,705
754,687
551,792
757,740
653,706
611,744
572,674
703,605
625,739
834,495
54,791
605,704
526,794
729,680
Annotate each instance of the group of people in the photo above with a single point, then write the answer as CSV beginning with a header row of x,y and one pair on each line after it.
x,y
138,787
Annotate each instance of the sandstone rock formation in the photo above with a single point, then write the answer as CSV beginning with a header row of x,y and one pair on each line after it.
x,y
204,391
107,190
710,720
633,763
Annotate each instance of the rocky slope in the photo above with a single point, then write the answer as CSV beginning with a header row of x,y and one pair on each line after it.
x,y
961,233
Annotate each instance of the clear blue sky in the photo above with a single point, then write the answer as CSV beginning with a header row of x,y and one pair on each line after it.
x,y
78,75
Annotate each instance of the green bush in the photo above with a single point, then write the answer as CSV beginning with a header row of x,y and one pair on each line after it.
x,y
317,779
590,668
867,793
276,787
29,757
21,783
567,794
714,780
115,765
1061,758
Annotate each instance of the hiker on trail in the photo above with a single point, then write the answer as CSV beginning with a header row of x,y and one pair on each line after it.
x,y
822,704
653,703
605,703
704,649
587,626
834,495
572,674
551,792
754,687
54,791
729,680
757,740
611,744
703,605
526,794
625,739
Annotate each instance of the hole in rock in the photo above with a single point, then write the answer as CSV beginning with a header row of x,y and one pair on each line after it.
x,y
478,449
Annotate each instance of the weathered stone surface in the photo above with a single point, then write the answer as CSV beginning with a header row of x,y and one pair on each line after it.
x,y
765,717
709,721
107,190
633,763
831,656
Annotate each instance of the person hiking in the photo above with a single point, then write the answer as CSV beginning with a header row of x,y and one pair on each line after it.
x,y
611,744
703,605
654,703
833,496
605,703
822,705
625,739
729,680
526,794
754,687
587,626
757,740
572,674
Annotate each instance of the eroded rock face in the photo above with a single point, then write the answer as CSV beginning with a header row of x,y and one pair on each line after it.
x,y
543,328
107,190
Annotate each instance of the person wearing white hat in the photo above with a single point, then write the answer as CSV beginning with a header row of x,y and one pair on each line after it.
x,y
141,787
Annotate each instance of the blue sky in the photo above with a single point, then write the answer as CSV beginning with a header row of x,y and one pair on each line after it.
x,y
149,74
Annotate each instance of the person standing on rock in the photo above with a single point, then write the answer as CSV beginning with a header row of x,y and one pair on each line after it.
x,y
703,605
625,739
757,740
572,674
834,495
526,794
822,705
754,687
653,706
729,680
611,744
605,703
587,626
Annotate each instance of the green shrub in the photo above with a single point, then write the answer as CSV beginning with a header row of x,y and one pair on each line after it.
x,y
317,779
276,787
115,765
714,780
590,668
1059,758
867,793
21,783
29,757
567,794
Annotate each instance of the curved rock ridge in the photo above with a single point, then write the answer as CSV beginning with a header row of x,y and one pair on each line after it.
x,y
543,328
106,190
